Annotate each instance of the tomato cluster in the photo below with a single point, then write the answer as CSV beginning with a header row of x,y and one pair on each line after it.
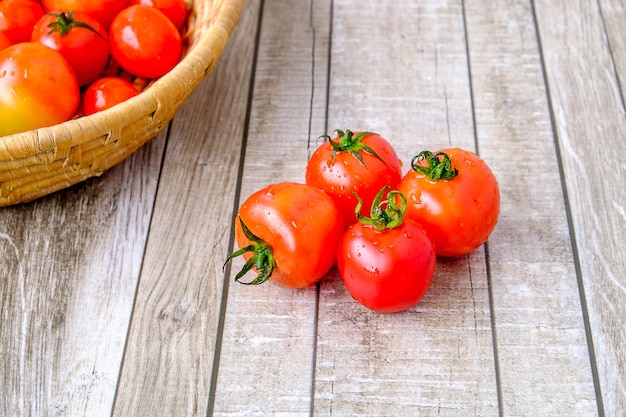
x,y
58,54
356,210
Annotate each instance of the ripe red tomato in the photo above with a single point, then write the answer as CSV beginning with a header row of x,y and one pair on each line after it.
x,y
360,163
175,10
145,42
17,18
455,196
81,40
386,261
106,92
4,40
288,232
38,88
104,11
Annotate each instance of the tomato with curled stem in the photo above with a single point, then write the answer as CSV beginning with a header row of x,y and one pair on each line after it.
x,y
145,42
288,232
38,88
455,196
353,163
386,261
82,41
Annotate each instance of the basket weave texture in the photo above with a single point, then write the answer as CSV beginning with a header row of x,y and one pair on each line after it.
x,y
45,160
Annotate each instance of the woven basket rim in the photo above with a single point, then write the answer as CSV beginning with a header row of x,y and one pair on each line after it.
x,y
158,102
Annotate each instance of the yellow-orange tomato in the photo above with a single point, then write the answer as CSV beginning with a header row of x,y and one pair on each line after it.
x,y
38,88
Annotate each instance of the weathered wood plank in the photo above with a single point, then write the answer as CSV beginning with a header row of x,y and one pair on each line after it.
x,y
269,332
588,110
401,71
168,361
69,265
540,335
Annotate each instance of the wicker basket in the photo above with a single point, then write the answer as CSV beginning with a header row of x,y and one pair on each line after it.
x,y
41,161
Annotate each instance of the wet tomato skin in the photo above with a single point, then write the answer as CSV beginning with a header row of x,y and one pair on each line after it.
x,y
302,226
459,214
386,271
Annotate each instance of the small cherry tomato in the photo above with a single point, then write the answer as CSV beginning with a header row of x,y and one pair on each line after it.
x,y
386,261
145,42
175,10
38,88
81,40
288,232
106,92
455,196
360,163
104,11
4,40
17,18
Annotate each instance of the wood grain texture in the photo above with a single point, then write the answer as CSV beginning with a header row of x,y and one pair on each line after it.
x,y
537,308
69,265
402,72
168,361
269,332
591,129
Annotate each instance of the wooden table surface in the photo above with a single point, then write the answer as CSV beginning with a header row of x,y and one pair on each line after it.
x,y
112,293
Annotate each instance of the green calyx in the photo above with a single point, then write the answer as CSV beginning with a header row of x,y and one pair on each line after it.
x,y
439,165
384,214
349,142
65,22
262,258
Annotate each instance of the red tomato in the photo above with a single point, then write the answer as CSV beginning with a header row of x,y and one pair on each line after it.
x,y
288,232
38,88
387,262
81,40
4,40
455,196
144,41
17,18
360,163
107,92
104,11
175,10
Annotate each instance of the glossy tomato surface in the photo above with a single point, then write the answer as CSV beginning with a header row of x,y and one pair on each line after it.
x,y
302,226
38,88
460,213
386,271
175,10
17,18
102,10
82,41
145,42
105,93
355,169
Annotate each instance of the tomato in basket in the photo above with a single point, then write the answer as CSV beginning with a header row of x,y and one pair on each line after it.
x,y
17,18
104,11
145,42
175,10
105,93
38,88
81,40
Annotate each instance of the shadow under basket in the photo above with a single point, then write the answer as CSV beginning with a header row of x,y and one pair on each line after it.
x,y
41,161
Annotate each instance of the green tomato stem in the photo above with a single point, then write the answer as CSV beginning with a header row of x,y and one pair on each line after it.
x,y
262,258
439,165
349,142
384,214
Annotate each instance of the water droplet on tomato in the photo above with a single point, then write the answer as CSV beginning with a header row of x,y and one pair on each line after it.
x,y
310,204
408,234
376,243
294,224
2,74
386,149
